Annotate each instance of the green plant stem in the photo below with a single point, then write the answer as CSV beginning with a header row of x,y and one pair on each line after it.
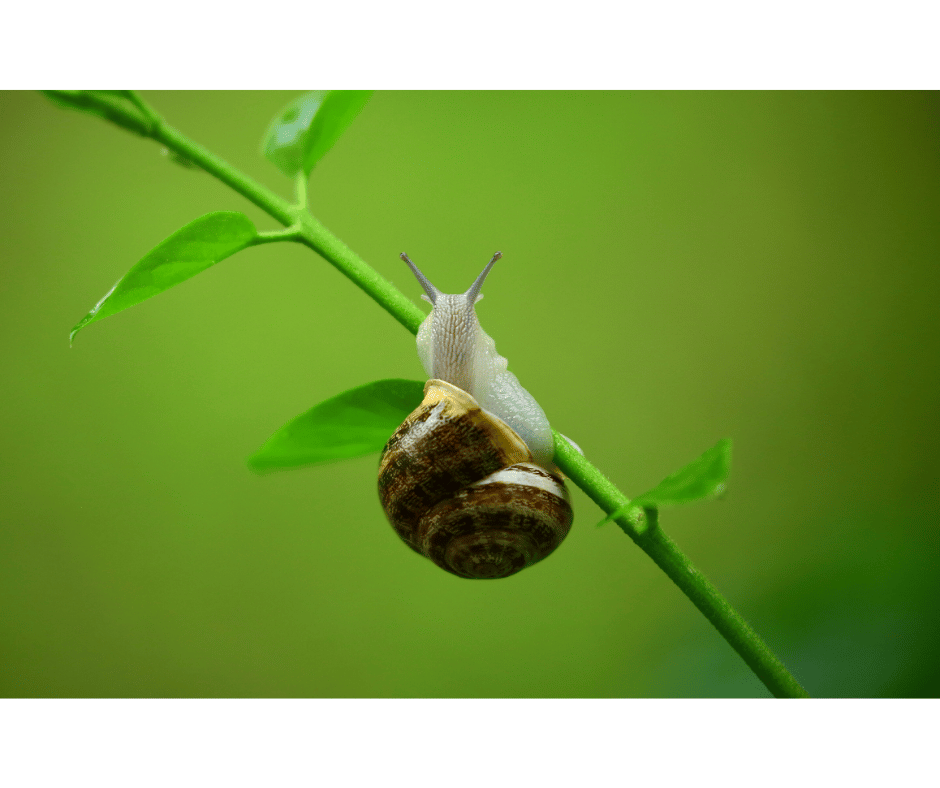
x,y
292,233
647,535
742,637
146,110
651,539
300,187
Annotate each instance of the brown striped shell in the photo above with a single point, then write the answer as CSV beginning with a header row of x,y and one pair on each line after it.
x,y
459,486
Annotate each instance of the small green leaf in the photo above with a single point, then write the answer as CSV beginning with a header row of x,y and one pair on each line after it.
x,y
700,479
307,128
184,254
113,105
352,424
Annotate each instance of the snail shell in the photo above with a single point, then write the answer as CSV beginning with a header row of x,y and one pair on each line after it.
x,y
457,482
460,487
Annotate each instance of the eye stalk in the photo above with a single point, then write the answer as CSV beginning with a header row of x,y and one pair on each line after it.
x,y
474,291
472,295
431,290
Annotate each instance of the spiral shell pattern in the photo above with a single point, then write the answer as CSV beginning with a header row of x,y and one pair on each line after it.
x,y
459,486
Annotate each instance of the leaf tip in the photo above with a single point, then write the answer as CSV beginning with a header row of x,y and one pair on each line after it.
x,y
256,464
78,327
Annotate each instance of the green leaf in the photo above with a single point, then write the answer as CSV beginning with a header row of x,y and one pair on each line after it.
x,y
702,478
113,105
307,128
184,254
352,424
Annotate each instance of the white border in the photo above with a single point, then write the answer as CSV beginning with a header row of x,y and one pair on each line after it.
x,y
506,44
495,743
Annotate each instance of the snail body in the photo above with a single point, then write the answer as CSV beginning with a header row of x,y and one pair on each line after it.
x,y
467,479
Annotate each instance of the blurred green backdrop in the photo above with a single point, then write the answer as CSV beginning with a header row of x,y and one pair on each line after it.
x,y
679,267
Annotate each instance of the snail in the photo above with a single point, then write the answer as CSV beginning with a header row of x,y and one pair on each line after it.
x,y
467,480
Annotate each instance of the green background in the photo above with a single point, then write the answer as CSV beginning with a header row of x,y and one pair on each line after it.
x,y
678,267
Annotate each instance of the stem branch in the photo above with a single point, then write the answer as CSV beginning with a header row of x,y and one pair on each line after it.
x,y
292,233
310,233
300,188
